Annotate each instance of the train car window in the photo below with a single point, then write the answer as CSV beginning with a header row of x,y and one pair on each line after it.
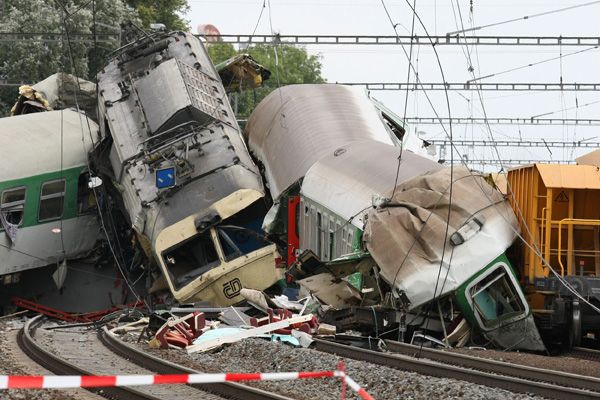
x,y
12,205
52,198
395,128
237,241
338,239
495,298
86,202
349,242
325,236
230,250
313,228
192,259
331,239
319,236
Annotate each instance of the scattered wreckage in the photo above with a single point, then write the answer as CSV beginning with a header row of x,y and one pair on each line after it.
x,y
368,231
366,222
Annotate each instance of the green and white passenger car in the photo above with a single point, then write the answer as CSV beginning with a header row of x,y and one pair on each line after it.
x,y
44,191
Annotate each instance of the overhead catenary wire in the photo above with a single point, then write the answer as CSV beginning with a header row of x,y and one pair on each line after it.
x,y
451,183
410,54
262,10
521,217
576,107
523,18
102,222
560,57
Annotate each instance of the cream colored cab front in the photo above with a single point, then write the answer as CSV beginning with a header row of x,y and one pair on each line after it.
x,y
214,264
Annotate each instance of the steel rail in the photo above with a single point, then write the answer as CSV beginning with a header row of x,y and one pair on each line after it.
x,y
59,366
53,37
514,143
228,390
502,121
432,368
436,86
438,40
498,367
585,353
507,162
462,86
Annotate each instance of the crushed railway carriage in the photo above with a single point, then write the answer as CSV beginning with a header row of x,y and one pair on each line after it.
x,y
39,195
329,145
189,187
46,204
560,218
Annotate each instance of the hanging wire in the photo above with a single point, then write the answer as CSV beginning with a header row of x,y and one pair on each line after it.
x,y
520,215
100,214
523,18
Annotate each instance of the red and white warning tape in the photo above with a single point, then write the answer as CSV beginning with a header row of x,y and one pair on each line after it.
x,y
76,381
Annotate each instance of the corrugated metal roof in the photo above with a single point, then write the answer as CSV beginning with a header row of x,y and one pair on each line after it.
x,y
296,125
569,176
30,144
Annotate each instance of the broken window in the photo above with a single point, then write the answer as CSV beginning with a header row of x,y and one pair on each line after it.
x,y
86,202
495,298
192,259
393,126
12,205
237,241
52,200
339,239
319,236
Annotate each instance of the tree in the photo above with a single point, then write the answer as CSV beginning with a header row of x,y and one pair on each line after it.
x,y
32,59
168,12
291,65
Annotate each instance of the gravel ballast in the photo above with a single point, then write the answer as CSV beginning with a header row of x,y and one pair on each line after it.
x,y
563,363
14,362
258,355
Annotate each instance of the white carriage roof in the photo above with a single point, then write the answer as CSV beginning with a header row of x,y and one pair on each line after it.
x,y
345,180
30,144
296,125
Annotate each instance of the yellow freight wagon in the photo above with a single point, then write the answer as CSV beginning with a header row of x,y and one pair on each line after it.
x,y
558,208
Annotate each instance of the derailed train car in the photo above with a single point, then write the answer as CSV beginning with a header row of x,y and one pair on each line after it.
x,y
330,158
177,159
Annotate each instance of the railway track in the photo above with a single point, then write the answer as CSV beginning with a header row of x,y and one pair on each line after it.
x,y
76,353
516,378
584,353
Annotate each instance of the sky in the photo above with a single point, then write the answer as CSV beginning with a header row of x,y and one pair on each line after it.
x,y
345,63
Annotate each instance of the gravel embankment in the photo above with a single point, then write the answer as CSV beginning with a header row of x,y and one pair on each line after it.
x,y
14,362
257,355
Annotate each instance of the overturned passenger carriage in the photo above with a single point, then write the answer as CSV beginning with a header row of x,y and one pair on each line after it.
x,y
345,191
175,153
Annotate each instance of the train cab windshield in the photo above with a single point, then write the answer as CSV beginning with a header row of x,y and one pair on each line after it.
x,y
495,298
192,259
209,249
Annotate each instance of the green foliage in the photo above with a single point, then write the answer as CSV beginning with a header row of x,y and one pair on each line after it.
x,y
31,61
219,52
168,12
291,65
